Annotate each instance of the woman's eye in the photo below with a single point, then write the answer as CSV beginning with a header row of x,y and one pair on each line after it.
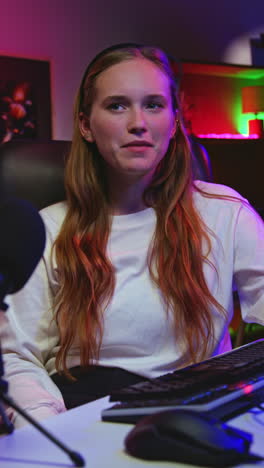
x,y
116,106
154,105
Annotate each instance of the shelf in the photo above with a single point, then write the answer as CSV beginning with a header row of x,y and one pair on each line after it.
x,y
223,69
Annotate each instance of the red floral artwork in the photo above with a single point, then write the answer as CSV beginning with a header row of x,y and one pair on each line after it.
x,y
25,107
17,112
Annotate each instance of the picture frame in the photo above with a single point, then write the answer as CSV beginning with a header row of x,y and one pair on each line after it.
x,y
25,99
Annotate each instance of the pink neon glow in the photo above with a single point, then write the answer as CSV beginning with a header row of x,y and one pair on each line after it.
x,y
228,136
248,389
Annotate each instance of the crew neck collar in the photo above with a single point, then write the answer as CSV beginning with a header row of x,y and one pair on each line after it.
x,y
144,216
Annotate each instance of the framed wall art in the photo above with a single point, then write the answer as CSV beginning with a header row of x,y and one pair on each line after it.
x,y
25,99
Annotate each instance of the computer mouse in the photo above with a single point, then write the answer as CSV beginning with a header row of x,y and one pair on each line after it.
x,y
189,437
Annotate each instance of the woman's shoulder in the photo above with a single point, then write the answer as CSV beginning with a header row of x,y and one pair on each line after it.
x,y
217,190
221,204
216,201
53,215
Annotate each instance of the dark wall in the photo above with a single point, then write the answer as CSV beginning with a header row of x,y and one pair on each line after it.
x,y
69,33
239,164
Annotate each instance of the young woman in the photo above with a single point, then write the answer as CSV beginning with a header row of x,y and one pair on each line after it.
x,y
140,262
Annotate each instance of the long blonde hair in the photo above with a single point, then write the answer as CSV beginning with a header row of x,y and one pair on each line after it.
x,y
86,275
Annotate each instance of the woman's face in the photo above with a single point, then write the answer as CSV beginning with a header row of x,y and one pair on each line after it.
x,y
132,118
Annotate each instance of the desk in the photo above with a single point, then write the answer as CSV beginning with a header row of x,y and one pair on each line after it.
x,y
100,443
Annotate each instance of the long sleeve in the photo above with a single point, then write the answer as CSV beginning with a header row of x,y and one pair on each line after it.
x,y
249,264
29,340
238,249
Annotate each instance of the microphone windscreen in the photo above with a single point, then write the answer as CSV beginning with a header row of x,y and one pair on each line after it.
x,y
22,242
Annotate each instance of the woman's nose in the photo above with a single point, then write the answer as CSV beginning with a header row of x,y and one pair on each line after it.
x,y
137,123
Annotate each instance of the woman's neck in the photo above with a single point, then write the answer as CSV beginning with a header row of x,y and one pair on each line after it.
x,y
126,194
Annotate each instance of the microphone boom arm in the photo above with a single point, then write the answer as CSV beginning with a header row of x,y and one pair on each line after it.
x,y
76,458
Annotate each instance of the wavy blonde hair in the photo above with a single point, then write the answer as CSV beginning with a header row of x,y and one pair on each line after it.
x,y
86,275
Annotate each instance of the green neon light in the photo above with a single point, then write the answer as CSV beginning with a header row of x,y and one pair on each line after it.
x,y
241,120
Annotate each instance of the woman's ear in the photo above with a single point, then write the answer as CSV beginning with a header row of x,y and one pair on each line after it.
x,y
175,125
84,126
174,128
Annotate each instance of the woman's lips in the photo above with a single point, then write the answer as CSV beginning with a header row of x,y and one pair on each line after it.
x,y
137,143
137,146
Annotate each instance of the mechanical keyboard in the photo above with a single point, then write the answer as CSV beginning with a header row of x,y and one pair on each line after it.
x,y
222,386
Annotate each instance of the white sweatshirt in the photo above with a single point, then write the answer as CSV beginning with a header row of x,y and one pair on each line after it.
x,y
137,336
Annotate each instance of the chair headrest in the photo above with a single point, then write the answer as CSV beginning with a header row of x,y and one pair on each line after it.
x,y
33,170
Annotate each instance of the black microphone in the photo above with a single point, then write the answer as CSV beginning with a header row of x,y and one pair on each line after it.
x,y
22,242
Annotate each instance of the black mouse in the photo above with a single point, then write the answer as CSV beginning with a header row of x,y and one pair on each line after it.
x,y
189,437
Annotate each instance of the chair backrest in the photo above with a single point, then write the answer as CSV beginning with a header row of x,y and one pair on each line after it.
x,y
33,171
